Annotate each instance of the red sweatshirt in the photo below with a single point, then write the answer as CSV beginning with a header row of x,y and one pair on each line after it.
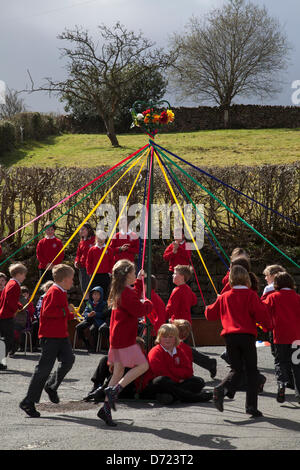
x,y
93,257
162,364
55,314
180,302
124,319
183,256
9,301
47,249
82,251
120,239
284,307
239,311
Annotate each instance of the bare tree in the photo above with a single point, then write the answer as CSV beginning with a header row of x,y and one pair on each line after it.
x,y
237,50
100,72
13,105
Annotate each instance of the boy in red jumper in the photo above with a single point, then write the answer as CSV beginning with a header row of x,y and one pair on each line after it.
x,y
239,310
284,307
178,252
182,298
9,305
55,342
46,250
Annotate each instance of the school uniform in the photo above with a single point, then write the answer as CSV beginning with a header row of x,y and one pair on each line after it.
x,y
102,276
180,303
171,373
121,238
239,310
46,250
284,308
183,256
55,343
9,305
81,257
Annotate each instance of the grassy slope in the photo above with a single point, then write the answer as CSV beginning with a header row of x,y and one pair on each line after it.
x,y
205,148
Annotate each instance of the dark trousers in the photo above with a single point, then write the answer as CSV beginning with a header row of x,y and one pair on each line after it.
x,y
287,365
242,353
202,360
52,349
84,279
7,332
102,280
82,326
188,391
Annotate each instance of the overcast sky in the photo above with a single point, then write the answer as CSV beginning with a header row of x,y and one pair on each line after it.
x,y
29,29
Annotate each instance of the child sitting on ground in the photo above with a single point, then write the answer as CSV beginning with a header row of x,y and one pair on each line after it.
x,y
95,314
182,298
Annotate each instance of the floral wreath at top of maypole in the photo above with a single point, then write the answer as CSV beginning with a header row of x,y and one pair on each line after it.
x,y
151,116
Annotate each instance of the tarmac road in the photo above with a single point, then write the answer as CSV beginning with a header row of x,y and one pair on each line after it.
x,y
73,424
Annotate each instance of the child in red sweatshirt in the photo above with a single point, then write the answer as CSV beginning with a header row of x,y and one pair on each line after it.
x,y
9,305
178,252
182,298
239,310
87,240
103,274
46,250
55,342
284,307
125,243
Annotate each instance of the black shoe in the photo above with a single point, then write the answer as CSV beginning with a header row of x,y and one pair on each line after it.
x,y
111,397
213,369
107,419
206,396
53,396
3,367
225,357
255,413
29,409
230,395
164,398
281,394
97,395
261,385
218,398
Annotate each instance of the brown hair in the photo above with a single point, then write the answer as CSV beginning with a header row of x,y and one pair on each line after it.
x,y
245,262
89,229
236,252
24,289
168,329
120,272
239,276
185,271
283,279
273,269
61,271
44,287
3,275
184,328
17,268
49,224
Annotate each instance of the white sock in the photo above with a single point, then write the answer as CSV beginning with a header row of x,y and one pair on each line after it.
x,y
4,361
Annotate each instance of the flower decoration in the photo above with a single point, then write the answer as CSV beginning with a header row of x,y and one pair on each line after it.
x,y
151,118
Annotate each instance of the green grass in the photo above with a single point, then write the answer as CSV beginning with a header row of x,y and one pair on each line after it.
x,y
205,148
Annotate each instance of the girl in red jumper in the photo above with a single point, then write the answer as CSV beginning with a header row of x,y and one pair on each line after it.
x,y
47,249
239,310
102,276
127,308
87,240
178,252
284,307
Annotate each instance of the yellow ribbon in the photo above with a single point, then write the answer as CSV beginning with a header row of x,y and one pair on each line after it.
x,y
189,230
82,223
111,234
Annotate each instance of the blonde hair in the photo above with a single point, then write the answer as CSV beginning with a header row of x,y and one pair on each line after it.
x,y
239,276
17,268
61,271
44,287
185,271
273,269
120,272
167,329
184,328
3,275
